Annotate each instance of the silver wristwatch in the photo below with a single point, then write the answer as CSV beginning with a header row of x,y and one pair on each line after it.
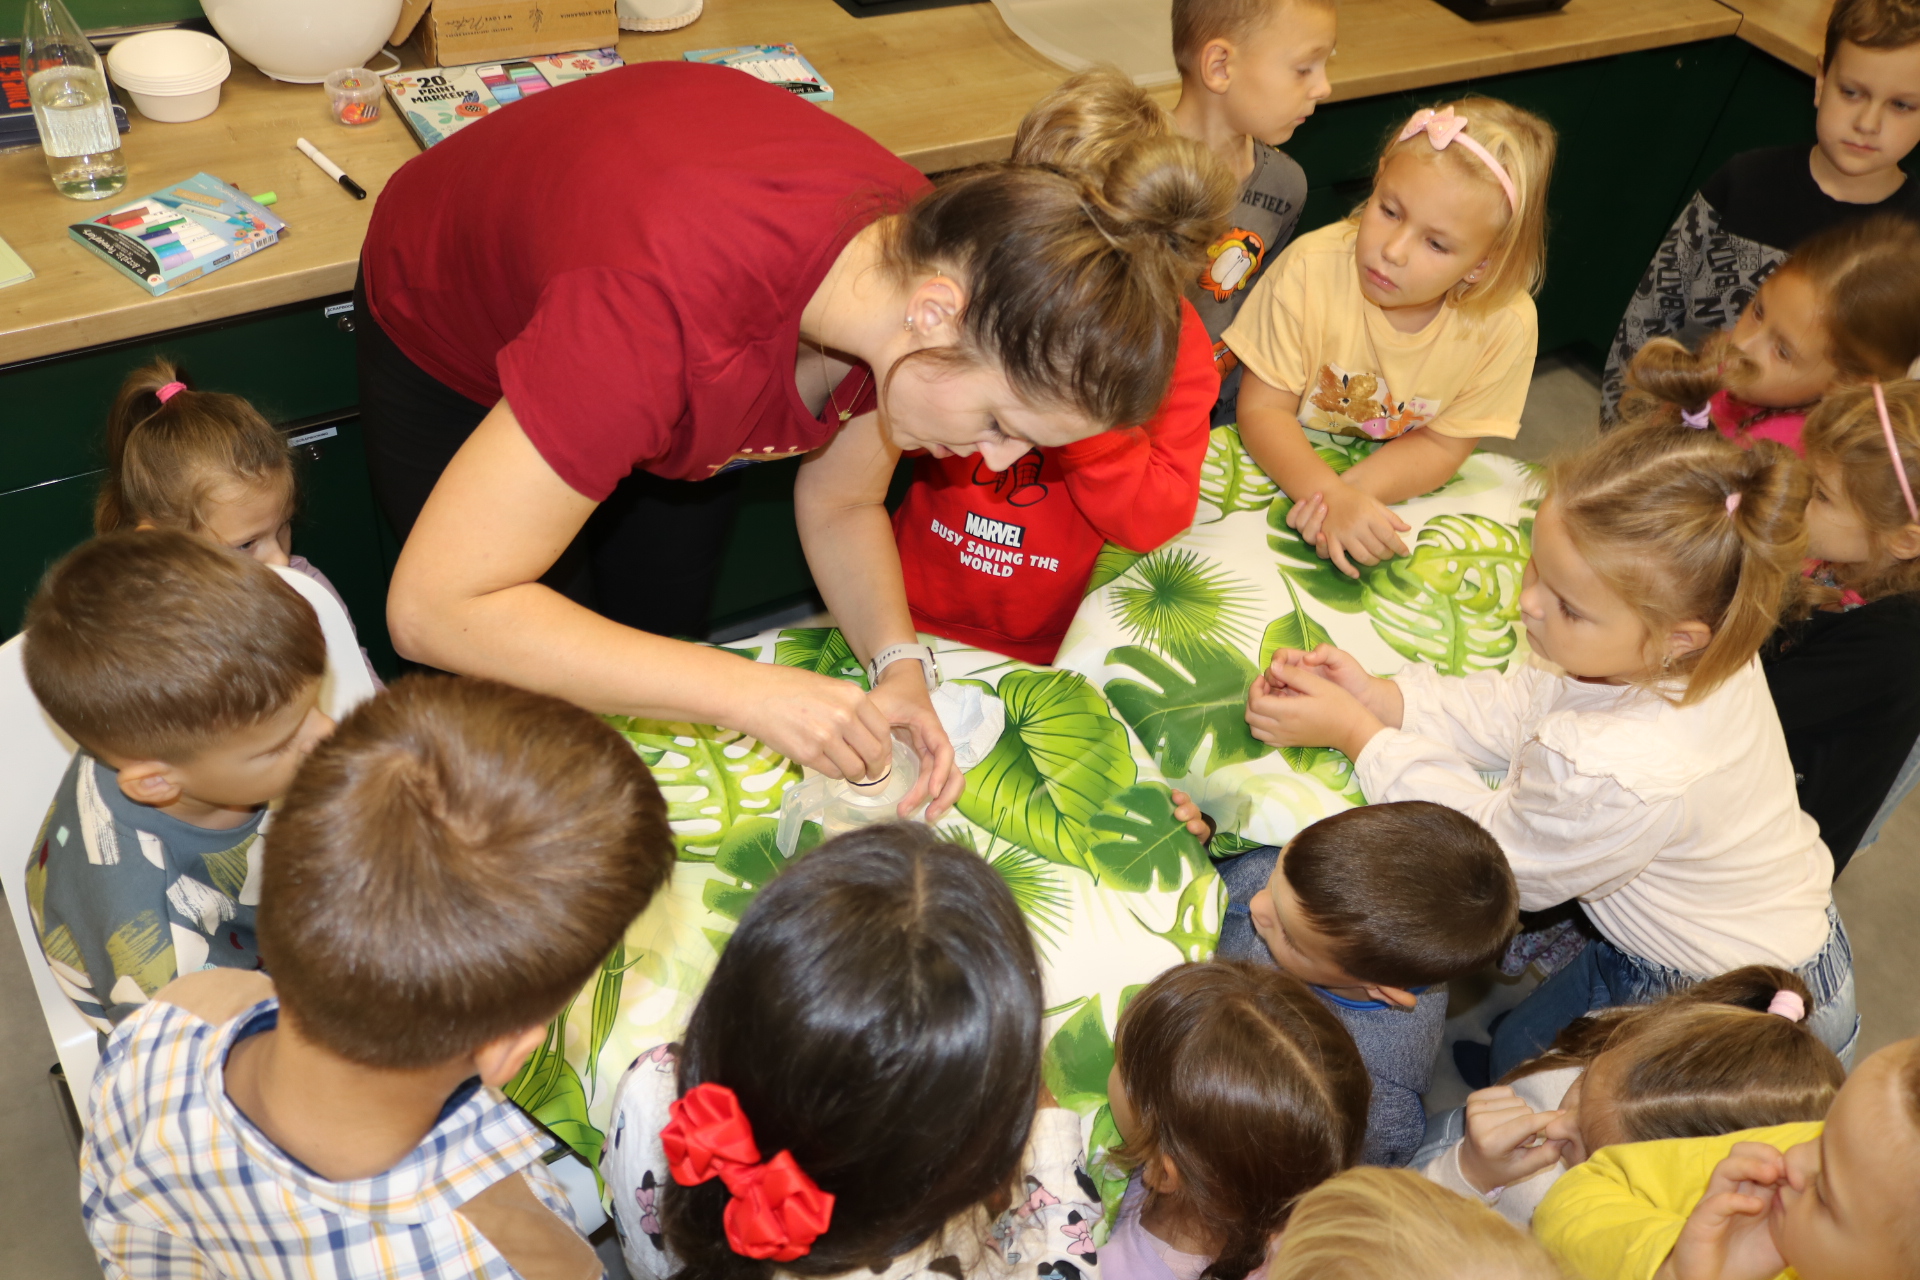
x,y
899,652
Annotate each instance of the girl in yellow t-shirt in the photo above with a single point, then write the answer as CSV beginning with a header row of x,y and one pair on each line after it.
x,y
1416,312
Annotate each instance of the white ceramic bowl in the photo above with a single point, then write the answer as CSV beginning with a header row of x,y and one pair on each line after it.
x,y
172,76
301,41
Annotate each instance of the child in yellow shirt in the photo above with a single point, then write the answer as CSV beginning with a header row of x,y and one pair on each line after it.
x,y
1838,1200
1412,322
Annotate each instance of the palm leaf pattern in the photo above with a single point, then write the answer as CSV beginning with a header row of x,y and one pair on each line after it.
x,y
1174,597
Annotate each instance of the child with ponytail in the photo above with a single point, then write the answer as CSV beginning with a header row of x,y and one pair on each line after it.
x,y
1846,675
205,462
1646,774
1235,1091
1731,1053
1844,310
856,1090
1411,323
1015,590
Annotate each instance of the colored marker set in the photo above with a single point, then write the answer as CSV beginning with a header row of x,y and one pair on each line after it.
x,y
180,233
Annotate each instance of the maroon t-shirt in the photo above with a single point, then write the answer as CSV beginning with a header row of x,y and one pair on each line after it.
x,y
625,259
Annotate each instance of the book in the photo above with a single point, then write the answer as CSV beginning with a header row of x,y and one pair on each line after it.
x,y
17,129
13,268
180,232
780,65
438,102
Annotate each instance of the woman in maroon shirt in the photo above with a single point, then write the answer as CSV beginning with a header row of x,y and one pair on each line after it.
x,y
674,270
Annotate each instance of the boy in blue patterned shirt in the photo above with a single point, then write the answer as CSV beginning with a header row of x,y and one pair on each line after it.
x,y
189,675
448,870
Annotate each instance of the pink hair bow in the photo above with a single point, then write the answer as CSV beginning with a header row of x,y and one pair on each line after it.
x,y
1443,128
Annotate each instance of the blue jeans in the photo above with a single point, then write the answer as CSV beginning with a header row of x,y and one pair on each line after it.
x,y
1604,976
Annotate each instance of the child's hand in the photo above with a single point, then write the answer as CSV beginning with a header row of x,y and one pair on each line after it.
x,y
1506,1140
1188,813
1726,1236
1295,706
1382,697
1347,523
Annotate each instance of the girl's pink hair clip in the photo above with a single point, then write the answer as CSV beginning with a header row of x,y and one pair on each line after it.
x,y
1443,128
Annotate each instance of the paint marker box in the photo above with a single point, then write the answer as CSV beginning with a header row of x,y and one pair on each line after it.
x,y
179,233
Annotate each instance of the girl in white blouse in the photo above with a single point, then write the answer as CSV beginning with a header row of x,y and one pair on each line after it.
x,y
857,1089
1646,772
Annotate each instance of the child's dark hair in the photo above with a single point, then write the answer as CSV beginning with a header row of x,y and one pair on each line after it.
x,y
166,458
153,644
1871,24
451,866
1844,432
877,1013
1411,893
1240,1076
1704,1061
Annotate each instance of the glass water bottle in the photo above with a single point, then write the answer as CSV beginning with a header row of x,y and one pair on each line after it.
x,y
72,105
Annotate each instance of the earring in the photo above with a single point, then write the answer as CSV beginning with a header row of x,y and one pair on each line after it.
x,y
909,324
1666,664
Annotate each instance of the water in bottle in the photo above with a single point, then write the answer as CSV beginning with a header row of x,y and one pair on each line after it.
x,y
72,105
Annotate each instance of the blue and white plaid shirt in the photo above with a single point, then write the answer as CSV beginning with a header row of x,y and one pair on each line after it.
x,y
177,1184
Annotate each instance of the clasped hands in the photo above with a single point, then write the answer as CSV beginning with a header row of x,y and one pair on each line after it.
x,y
1341,522
1321,698
1728,1236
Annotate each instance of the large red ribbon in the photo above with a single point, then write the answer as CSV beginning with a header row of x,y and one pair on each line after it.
x,y
777,1211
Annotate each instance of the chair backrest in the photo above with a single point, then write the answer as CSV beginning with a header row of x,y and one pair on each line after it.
x,y
347,683
33,757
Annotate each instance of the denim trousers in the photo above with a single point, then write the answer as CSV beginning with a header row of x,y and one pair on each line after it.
x,y
1604,976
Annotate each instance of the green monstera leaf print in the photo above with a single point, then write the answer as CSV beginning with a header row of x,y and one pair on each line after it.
x,y
1230,480
1035,882
1175,597
1190,933
1144,842
1079,1058
1454,601
1294,630
1061,757
711,778
1176,710
749,855
548,1089
821,649
1112,561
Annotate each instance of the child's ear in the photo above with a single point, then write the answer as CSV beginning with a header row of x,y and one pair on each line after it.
x,y
1160,1176
149,782
1399,997
1688,637
498,1061
1474,275
1215,65
934,306
1904,542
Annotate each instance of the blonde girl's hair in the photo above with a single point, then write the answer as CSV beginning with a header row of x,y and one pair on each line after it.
x,y
1704,1061
165,460
1844,432
1087,120
1073,280
1391,1224
1686,526
1524,145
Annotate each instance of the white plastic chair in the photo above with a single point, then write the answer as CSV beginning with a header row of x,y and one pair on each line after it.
x,y
34,754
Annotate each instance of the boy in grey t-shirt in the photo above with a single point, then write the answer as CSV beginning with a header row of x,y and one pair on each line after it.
x,y
1247,81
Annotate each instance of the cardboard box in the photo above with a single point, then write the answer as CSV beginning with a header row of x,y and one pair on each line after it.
x,y
454,32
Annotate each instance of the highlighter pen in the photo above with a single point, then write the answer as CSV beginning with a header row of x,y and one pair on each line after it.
x,y
331,169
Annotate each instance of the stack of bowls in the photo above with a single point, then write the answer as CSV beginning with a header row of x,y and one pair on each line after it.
x,y
171,76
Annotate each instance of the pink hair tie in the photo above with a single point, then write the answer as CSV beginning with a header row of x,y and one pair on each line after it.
x,y
1788,1005
169,391
1699,419
1443,128
1733,503
1893,450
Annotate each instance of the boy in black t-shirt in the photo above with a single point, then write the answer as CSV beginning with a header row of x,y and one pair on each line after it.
x,y
1746,218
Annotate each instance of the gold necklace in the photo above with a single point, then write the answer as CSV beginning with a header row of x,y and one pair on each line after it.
x,y
844,415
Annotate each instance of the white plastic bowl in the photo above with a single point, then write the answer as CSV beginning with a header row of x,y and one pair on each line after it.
x,y
172,76
301,41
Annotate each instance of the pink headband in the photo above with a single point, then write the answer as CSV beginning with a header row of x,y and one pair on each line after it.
x,y
169,391
1443,128
1893,449
1788,1005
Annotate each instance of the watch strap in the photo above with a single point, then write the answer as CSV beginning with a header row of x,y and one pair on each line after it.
x,y
899,652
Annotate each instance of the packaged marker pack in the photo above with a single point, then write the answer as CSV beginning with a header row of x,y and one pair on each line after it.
x,y
179,233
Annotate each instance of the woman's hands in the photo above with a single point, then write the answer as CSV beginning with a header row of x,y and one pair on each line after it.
x,y
1321,699
1506,1140
1727,1236
1341,523
902,697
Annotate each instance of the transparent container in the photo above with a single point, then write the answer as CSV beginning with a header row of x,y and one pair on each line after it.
x,y
72,105
354,94
840,806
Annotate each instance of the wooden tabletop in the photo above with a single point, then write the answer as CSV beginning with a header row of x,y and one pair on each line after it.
x,y
1794,31
942,87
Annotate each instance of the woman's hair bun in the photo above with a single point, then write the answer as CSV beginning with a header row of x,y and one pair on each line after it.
x,y
1172,190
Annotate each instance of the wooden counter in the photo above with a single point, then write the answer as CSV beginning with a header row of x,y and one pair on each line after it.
x,y
1794,31
942,87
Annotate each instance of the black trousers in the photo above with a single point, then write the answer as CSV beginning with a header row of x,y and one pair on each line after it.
x,y
648,556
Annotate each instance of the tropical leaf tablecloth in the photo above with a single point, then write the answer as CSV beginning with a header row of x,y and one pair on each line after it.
x,y
1070,801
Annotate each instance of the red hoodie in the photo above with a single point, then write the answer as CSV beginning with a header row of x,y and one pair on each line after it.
x,y
1000,560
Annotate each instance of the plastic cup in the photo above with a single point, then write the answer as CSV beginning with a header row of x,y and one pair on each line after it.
x,y
355,95
172,76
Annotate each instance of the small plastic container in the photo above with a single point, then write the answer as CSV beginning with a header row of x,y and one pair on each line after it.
x,y
355,95
172,76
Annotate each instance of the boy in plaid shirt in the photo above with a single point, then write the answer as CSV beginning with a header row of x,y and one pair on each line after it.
x,y
448,870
